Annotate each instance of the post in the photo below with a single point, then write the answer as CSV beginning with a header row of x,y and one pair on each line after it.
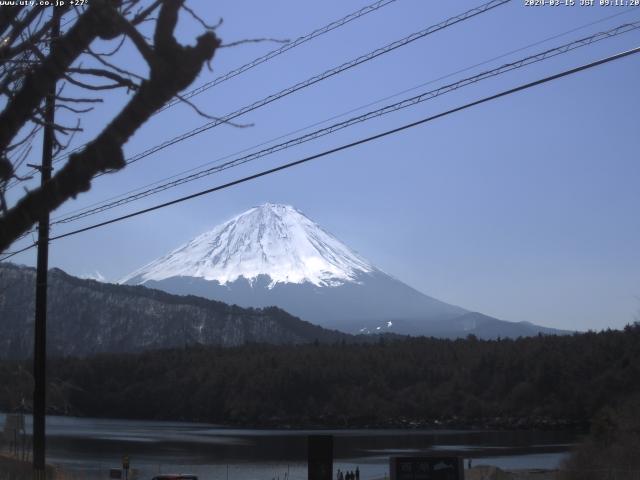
x,y
125,466
320,457
40,333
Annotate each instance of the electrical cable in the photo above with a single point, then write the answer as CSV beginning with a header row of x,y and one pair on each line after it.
x,y
257,61
313,80
346,146
278,51
550,53
335,117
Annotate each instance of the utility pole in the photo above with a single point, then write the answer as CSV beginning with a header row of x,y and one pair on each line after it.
x,y
40,329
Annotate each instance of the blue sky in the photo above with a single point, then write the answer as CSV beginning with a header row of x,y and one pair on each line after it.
x,y
524,208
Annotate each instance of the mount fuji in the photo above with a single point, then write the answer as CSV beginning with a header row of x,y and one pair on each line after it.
x,y
274,255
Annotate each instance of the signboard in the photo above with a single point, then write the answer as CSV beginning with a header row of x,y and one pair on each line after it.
x,y
320,457
428,467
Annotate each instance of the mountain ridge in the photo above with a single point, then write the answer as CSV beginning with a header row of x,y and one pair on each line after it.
x,y
87,316
274,255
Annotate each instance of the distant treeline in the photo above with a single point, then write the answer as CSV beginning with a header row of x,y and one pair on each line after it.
x,y
544,381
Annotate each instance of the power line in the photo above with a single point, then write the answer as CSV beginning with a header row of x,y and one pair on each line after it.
x,y
8,255
274,53
329,73
325,153
529,60
320,77
317,78
257,61
353,110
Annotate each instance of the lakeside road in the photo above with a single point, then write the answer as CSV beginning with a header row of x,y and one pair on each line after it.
x,y
489,472
15,469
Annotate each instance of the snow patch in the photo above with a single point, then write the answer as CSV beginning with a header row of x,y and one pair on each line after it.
x,y
97,276
271,239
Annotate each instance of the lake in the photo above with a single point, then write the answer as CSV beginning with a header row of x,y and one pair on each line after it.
x,y
88,447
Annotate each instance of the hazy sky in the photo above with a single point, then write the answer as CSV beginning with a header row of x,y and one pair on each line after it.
x,y
525,208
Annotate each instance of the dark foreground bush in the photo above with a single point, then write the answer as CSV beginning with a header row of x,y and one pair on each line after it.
x,y
13,469
612,449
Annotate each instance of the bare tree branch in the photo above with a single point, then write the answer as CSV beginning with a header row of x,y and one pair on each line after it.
x,y
173,67
200,20
79,100
115,50
26,138
17,29
141,16
64,146
106,63
8,15
211,117
99,72
138,40
31,40
73,110
41,80
56,126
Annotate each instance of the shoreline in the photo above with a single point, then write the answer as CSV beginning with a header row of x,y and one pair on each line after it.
x,y
503,424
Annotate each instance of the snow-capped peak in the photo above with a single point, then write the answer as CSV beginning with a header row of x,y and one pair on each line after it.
x,y
97,276
271,239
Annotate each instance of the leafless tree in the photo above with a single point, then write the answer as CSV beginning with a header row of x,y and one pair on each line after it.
x,y
32,63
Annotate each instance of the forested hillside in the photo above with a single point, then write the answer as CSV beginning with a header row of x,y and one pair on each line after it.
x,y
545,382
87,317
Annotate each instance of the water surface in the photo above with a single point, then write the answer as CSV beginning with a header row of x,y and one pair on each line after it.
x,y
88,447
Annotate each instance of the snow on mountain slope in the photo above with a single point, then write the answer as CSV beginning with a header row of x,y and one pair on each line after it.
x,y
273,240
274,255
